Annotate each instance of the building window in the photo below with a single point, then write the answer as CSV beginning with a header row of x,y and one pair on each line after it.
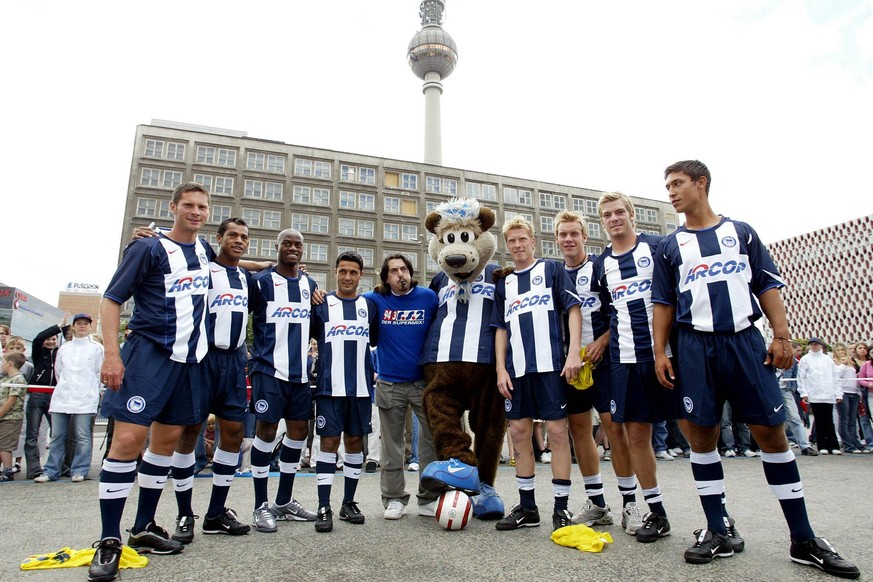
x,y
274,191
300,222
362,175
391,231
348,173
438,185
591,207
205,155
594,230
227,158
367,175
146,207
510,215
316,252
256,161
367,255
268,249
516,196
219,214
254,245
545,200
321,224
409,232
409,181
150,177
164,209
273,219
559,202
154,149
391,205
347,226
481,191
322,169
430,206
319,278
223,185
302,195
172,179
648,215
254,189
593,249
547,225
175,151
348,199
367,201
366,229
550,249
321,196
276,164
205,180
302,167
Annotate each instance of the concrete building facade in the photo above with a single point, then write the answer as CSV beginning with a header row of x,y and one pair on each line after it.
x,y
340,200
829,277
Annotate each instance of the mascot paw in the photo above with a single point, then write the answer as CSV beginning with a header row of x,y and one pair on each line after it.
x,y
451,474
488,505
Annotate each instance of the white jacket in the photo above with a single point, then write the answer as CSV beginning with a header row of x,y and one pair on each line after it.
x,y
817,378
847,381
77,368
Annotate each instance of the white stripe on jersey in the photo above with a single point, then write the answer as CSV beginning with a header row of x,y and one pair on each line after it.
x,y
625,293
590,306
187,289
335,335
480,299
224,301
283,312
539,302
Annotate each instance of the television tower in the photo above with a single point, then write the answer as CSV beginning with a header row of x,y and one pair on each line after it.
x,y
432,54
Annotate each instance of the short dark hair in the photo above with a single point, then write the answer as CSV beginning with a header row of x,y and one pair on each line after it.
x,y
17,359
352,257
222,228
188,187
694,169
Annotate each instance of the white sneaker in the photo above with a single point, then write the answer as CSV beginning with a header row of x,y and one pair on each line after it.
x,y
395,510
428,509
730,453
591,515
631,518
41,478
836,452
749,453
664,456
412,467
677,452
77,478
824,452
546,457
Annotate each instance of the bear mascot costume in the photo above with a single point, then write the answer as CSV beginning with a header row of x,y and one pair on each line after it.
x,y
458,357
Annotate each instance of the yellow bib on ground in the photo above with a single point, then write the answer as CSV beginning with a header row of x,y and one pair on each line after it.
x,y
70,558
581,537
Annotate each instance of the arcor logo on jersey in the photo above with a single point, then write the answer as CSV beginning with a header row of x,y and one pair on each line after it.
x,y
717,268
526,303
485,289
410,315
230,299
291,312
623,291
341,330
588,301
189,283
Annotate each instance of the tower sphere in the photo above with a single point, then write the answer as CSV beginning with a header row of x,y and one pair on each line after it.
x,y
432,50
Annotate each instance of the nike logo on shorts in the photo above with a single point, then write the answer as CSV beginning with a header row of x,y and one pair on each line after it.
x,y
778,408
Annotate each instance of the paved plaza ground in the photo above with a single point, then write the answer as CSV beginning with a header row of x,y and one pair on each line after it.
x,y
38,518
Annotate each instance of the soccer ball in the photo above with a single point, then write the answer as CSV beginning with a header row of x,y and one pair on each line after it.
x,y
454,510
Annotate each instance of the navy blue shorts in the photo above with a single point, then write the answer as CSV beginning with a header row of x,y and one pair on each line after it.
x,y
715,368
335,415
155,388
224,391
598,396
274,399
637,396
540,396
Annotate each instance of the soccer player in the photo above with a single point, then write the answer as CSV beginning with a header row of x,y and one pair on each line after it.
x,y
406,311
571,235
529,348
623,277
224,389
280,305
345,325
155,383
713,279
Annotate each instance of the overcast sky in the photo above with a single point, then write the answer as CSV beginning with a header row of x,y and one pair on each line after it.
x,y
774,96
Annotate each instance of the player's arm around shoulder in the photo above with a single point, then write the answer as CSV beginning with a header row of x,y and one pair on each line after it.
x,y
374,321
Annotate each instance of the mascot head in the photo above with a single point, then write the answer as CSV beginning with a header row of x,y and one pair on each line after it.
x,y
462,245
